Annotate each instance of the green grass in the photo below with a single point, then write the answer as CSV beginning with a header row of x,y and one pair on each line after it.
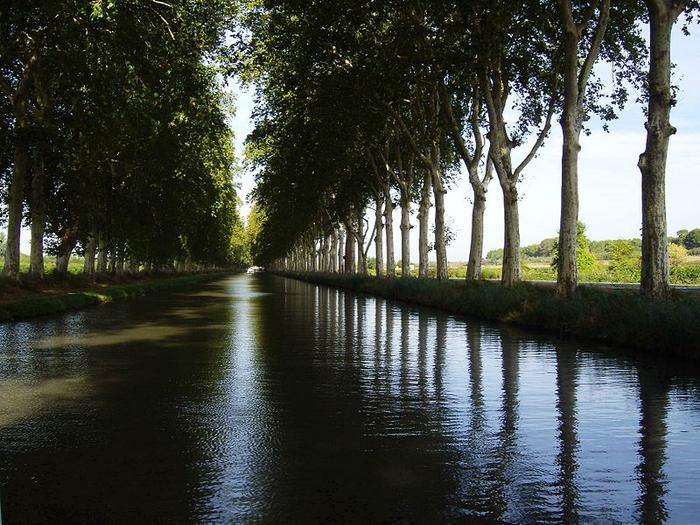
x,y
75,265
34,306
686,274
621,317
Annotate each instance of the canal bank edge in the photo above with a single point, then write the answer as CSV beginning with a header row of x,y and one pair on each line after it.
x,y
36,306
619,317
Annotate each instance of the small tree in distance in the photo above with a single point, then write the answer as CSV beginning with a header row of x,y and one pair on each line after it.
x,y
585,260
625,264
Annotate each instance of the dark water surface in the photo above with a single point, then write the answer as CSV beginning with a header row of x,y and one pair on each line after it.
x,y
264,400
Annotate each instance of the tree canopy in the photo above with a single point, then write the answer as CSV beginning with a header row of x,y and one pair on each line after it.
x,y
116,131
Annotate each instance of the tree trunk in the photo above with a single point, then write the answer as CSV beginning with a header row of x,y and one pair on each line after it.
x,y
334,251
349,251
62,261
112,262
439,196
20,175
405,233
90,248
577,68
341,251
389,221
567,276
327,253
38,219
102,257
423,220
14,213
476,247
652,163
313,253
361,255
120,264
65,250
510,273
378,239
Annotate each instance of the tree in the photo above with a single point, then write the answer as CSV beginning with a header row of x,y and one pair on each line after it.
x,y
576,73
691,239
590,29
677,255
625,261
584,258
662,16
117,125
516,67
472,160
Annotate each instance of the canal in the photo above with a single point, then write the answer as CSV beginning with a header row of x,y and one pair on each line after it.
x,y
259,399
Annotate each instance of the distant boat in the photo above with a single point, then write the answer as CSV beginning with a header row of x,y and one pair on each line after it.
x,y
254,269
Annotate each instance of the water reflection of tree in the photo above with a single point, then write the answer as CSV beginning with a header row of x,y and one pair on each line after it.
x,y
403,351
477,478
439,363
567,379
388,342
361,316
349,317
333,317
506,447
654,401
379,308
422,356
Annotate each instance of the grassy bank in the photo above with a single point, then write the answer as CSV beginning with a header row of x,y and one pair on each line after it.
x,y
620,317
35,305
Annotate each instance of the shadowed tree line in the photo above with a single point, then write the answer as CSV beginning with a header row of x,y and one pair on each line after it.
x,y
114,141
379,103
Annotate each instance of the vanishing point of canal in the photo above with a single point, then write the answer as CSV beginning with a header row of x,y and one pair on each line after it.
x,y
259,399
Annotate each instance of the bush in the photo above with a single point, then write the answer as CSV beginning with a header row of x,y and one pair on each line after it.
x,y
625,266
584,258
685,274
490,272
598,273
677,254
539,273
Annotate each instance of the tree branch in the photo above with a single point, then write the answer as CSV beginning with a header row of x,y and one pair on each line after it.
x,y
543,132
476,129
567,17
595,48
453,126
411,140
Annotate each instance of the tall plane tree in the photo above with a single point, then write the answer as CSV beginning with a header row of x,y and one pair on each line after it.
x,y
517,59
652,163
586,31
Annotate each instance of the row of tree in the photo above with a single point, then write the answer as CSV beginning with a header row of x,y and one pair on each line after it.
x,y
115,143
378,103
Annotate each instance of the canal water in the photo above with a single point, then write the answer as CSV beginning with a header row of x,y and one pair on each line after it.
x,y
259,399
